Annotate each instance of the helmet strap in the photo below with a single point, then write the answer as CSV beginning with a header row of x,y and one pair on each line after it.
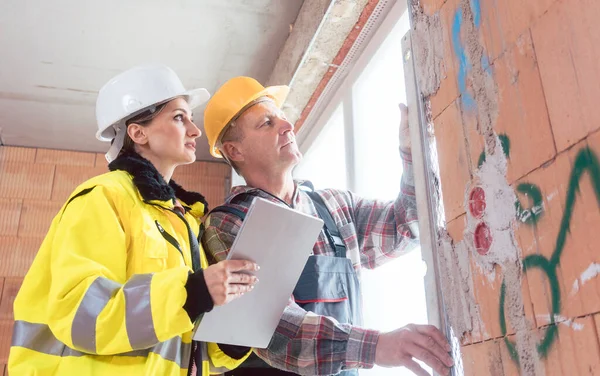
x,y
117,144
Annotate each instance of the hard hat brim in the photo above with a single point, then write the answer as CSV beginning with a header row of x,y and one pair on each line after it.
x,y
195,98
277,93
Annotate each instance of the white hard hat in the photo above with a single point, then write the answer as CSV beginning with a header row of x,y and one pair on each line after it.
x,y
132,92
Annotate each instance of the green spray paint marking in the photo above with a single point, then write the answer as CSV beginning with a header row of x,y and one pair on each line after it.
x,y
541,262
586,160
533,214
504,142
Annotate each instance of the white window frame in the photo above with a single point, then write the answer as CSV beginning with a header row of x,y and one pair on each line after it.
x,y
311,129
315,123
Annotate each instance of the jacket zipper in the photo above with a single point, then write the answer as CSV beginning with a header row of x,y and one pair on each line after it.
x,y
194,253
169,238
195,266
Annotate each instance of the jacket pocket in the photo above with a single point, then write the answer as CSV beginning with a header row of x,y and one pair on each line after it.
x,y
324,293
156,250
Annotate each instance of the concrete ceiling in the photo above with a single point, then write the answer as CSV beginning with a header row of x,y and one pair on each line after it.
x,y
57,54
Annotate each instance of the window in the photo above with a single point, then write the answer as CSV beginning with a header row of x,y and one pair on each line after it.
x,y
327,150
375,95
355,150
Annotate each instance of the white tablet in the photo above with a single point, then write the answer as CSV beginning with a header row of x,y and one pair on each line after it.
x,y
280,240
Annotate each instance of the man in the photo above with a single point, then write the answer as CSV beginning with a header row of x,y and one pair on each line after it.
x,y
245,125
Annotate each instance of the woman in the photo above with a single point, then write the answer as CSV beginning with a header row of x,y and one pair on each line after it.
x,y
120,278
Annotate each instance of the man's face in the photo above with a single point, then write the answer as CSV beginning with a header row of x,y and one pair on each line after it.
x,y
269,141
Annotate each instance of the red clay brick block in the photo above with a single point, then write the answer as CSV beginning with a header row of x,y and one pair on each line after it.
x,y
36,217
11,288
487,294
101,161
597,323
454,171
5,339
17,154
482,358
511,368
456,228
552,364
575,349
576,269
431,6
10,212
212,188
26,180
566,44
207,178
204,169
503,21
65,157
491,13
67,178
17,254
448,91
523,115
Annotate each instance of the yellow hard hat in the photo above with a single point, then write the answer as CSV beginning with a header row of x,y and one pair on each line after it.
x,y
229,101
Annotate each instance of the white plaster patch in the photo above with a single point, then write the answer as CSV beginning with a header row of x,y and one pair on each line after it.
x,y
499,215
551,196
591,272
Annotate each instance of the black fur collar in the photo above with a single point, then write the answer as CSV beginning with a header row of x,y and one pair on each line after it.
x,y
150,183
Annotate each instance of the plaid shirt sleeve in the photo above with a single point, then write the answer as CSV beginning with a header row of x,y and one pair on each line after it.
x,y
310,344
384,229
303,343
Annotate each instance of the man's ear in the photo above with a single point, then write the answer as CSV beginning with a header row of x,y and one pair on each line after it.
x,y
234,151
137,133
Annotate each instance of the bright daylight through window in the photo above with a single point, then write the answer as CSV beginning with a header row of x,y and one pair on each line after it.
x,y
393,295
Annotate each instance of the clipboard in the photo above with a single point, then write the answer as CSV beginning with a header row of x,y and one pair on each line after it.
x,y
280,240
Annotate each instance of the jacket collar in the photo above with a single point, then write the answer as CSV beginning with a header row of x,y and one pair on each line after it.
x,y
150,183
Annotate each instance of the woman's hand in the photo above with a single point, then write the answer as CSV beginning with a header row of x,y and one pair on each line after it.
x,y
229,279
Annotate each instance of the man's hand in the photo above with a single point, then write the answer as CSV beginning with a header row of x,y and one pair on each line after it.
x,y
404,129
423,342
228,280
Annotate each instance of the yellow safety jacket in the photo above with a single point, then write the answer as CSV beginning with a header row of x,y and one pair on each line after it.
x,y
105,293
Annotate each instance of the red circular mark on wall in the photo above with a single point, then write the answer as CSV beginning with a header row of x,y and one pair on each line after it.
x,y
477,202
483,238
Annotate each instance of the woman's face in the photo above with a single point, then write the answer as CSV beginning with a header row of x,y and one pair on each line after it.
x,y
171,134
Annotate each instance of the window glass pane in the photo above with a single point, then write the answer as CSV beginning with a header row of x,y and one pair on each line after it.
x,y
324,164
376,94
393,295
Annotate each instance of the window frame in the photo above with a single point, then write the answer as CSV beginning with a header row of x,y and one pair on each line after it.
x,y
344,94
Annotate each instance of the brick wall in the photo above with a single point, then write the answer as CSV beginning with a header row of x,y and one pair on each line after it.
x,y
538,78
34,183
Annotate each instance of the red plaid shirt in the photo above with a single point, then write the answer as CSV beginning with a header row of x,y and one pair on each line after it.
x,y
374,232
